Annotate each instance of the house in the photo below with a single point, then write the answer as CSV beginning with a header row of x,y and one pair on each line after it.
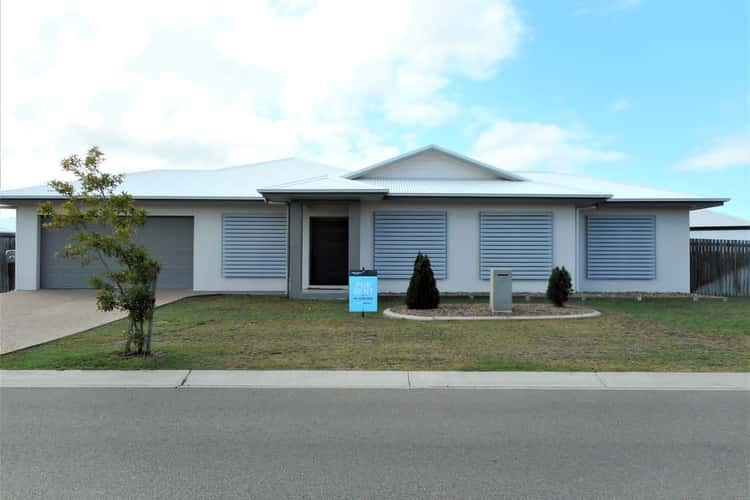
x,y
713,225
297,227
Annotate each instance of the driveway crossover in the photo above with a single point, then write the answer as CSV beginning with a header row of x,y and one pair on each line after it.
x,y
28,318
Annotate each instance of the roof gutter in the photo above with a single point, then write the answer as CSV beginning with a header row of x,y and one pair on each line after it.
x,y
719,228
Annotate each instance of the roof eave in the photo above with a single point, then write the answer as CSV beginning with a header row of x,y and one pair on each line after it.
x,y
6,199
719,228
580,196
692,203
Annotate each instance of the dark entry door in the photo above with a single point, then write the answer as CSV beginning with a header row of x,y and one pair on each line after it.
x,y
329,250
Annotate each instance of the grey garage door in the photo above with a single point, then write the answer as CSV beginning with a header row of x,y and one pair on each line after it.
x,y
169,239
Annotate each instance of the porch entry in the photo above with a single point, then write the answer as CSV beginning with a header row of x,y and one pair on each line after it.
x,y
329,251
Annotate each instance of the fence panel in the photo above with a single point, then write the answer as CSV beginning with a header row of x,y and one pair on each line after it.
x,y
720,267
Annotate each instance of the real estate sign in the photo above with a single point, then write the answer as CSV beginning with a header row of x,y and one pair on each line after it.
x,y
363,291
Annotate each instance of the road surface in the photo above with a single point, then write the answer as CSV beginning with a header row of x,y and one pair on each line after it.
x,y
310,443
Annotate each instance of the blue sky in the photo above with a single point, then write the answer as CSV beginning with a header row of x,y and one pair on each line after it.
x,y
648,92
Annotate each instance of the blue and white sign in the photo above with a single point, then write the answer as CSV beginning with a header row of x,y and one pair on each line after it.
x,y
363,291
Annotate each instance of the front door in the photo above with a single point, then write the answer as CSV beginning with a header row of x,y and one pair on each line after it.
x,y
329,251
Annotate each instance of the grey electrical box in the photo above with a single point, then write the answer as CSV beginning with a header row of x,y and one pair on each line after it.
x,y
501,290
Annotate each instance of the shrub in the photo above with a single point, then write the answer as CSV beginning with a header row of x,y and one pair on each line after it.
x,y
422,292
559,286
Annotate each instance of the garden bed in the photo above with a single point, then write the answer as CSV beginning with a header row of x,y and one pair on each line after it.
x,y
529,310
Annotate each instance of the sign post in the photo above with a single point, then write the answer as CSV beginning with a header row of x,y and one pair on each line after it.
x,y
363,291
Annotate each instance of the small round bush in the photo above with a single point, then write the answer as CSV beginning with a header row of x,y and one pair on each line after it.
x,y
559,286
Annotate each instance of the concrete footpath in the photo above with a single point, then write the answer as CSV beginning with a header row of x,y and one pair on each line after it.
x,y
296,379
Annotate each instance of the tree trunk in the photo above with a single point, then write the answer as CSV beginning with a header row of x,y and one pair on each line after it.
x,y
150,317
139,338
129,338
150,332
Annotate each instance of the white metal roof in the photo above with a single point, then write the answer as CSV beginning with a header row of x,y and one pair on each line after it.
x,y
291,175
240,182
324,184
712,218
620,192
500,173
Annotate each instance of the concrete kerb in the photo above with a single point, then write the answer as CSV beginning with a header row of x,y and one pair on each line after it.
x,y
92,378
328,379
298,379
390,314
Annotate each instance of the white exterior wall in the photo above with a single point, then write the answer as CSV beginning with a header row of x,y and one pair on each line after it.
x,y
463,242
672,245
207,222
27,248
430,165
672,253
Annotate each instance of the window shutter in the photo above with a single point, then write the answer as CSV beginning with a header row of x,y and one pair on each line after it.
x,y
399,236
621,247
521,241
254,245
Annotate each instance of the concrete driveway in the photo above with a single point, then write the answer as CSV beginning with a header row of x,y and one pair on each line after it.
x,y
29,318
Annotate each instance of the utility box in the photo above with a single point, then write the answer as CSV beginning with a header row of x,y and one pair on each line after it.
x,y
501,290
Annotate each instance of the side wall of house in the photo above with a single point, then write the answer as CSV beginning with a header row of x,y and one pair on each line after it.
x,y
720,234
463,241
672,252
27,248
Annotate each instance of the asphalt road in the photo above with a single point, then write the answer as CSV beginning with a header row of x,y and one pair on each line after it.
x,y
239,443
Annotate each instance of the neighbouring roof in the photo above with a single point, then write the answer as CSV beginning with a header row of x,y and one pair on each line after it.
x,y
711,219
7,221
290,178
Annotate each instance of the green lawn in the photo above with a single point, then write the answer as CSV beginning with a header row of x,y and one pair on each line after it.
x,y
252,332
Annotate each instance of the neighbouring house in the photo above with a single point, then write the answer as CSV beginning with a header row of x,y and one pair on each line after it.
x,y
713,225
297,227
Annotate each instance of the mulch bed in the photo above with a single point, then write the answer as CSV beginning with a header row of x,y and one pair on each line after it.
x,y
524,309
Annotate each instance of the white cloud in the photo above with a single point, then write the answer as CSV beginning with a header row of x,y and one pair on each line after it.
x,y
190,83
729,152
620,104
525,145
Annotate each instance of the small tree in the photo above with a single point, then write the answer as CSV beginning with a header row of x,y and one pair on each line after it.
x,y
422,292
105,222
559,286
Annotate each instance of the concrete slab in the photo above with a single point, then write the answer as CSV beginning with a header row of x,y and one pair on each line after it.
x,y
672,381
28,318
92,378
504,380
299,379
